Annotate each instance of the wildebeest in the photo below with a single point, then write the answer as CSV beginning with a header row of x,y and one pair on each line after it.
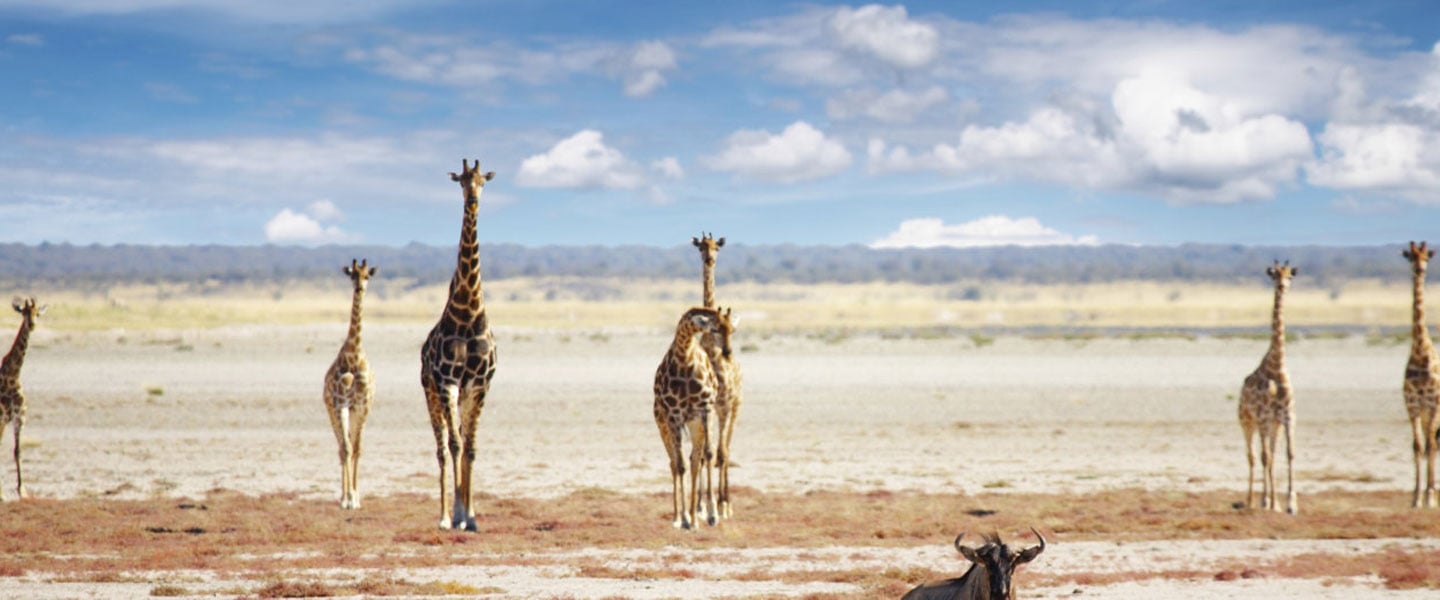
x,y
989,578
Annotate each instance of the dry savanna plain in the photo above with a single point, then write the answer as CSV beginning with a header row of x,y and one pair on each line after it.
x,y
177,446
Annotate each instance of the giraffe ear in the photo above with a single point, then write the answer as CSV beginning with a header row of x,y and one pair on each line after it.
x,y
694,241
1407,254
372,271
41,312
454,177
15,304
1294,271
488,174
349,272
1270,271
1429,254
720,243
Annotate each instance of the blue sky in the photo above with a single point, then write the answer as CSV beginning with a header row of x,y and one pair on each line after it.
x,y
925,123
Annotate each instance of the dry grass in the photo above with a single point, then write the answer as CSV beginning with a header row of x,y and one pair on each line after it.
x,y
913,309
270,538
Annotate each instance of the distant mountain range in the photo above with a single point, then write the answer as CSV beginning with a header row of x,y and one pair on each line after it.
x,y
1324,265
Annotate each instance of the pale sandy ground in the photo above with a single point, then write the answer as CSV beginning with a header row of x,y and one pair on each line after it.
x,y
239,408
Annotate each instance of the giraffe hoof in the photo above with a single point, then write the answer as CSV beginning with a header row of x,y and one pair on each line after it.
x,y
444,524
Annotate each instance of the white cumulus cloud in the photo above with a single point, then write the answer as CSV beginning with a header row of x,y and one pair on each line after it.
x,y
799,153
1385,145
1159,135
993,230
290,227
580,161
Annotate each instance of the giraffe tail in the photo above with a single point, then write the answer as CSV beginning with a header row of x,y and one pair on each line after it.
x,y
347,380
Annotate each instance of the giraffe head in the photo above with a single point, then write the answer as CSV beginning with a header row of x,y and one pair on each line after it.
x,y
471,180
709,247
1419,256
28,310
1281,273
713,323
360,273
726,329
1000,561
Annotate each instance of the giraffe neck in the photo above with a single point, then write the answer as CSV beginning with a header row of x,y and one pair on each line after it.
x,y
709,284
352,339
1275,357
467,301
1419,334
16,358
686,342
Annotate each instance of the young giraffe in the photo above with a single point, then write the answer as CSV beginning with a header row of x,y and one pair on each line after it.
x,y
457,363
727,371
12,398
1422,381
1267,403
349,390
685,391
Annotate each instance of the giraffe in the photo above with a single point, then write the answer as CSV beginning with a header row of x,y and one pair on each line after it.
x,y
457,363
12,398
685,390
1422,381
1267,403
349,390
727,372
709,248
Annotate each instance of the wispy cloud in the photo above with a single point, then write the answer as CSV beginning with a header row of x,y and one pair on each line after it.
x,y
25,39
166,92
261,11
640,68
993,230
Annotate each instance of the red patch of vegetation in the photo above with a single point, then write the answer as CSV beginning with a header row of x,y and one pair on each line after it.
x,y
256,538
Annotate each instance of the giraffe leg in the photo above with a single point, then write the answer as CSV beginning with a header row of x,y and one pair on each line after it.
x,y
702,459
20,493
3,425
1248,426
451,400
1292,501
439,424
1267,455
342,433
1271,489
722,462
692,498
357,424
1430,461
1419,448
670,436
473,405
